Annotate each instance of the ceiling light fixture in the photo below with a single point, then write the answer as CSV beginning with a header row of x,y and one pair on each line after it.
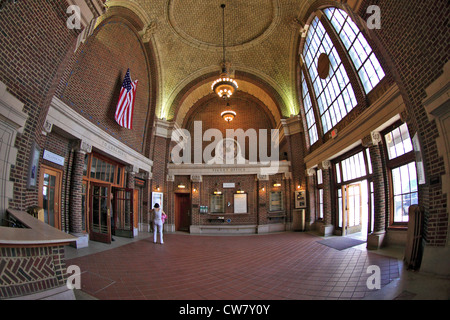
x,y
224,86
228,115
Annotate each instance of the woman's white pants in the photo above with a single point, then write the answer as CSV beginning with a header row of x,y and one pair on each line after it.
x,y
158,228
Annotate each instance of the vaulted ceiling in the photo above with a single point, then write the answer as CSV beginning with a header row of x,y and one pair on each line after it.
x,y
261,39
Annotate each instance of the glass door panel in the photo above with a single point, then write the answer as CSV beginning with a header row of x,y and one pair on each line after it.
x,y
100,214
353,209
123,212
50,194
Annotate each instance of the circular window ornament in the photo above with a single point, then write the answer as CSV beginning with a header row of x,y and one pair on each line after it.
x,y
323,66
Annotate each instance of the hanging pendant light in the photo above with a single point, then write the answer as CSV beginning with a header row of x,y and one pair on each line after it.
x,y
224,86
228,115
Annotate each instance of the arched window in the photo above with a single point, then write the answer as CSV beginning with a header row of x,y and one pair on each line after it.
x,y
334,93
309,112
360,52
335,96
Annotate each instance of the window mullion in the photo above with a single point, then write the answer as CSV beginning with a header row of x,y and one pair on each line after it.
x,y
349,67
312,95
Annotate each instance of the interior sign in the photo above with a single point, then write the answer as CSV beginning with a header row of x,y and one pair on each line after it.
x,y
52,157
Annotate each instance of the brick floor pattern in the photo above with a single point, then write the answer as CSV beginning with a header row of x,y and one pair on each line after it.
x,y
282,266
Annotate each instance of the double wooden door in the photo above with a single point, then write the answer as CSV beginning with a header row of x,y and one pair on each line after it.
x,y
111,212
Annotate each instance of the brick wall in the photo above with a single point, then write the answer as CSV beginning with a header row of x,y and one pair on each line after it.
x,y
25,271
61,146
414,39
251,114
92,82
35,47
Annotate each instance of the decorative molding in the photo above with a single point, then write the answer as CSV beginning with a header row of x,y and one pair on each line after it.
x,y
148,32
229,169
70,121
287,175
11,109
385,111
85,147
48,126
196,178
311,172
437,102
290,126
133,6
326,164
376,137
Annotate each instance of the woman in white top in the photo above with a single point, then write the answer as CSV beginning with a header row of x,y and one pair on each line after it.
x,y
158,220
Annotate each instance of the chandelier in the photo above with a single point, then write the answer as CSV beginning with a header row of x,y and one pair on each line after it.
x,y
224,86
228,115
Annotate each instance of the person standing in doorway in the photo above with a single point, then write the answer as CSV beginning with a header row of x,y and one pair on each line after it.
x,y
158,220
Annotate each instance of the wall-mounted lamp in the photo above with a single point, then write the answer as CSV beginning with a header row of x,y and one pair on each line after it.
x,y
277,184
239,190
181,186
194,190
217,191
157,188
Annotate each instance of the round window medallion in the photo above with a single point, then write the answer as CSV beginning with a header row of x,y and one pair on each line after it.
x,y
323,66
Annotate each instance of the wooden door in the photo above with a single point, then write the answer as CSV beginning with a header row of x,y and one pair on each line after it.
x,y
50,195
100,212
182,211
352,208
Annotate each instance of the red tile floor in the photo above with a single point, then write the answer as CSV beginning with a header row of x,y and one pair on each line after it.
x,y
281,266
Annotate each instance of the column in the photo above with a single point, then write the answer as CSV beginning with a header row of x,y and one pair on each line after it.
x,y
196,185
375,239
76,192
311,213
262,202
327,228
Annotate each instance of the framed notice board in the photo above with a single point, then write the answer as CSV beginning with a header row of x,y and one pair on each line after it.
x,y
240,203
300,199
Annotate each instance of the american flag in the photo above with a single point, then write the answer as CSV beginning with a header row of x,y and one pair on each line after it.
x,y
125,106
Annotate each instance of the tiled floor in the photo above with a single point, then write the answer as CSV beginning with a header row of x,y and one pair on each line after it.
x,y
281,266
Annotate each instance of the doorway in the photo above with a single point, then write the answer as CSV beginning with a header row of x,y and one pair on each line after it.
x,y
354,209
100,212
182,211
50,195
123,212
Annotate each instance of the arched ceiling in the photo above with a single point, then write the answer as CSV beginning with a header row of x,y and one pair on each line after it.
x,y
186,35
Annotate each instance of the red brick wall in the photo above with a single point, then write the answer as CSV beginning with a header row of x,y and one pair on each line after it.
x,y
61,146
414,38
250,114
42,268
35,47
92,83
412,47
